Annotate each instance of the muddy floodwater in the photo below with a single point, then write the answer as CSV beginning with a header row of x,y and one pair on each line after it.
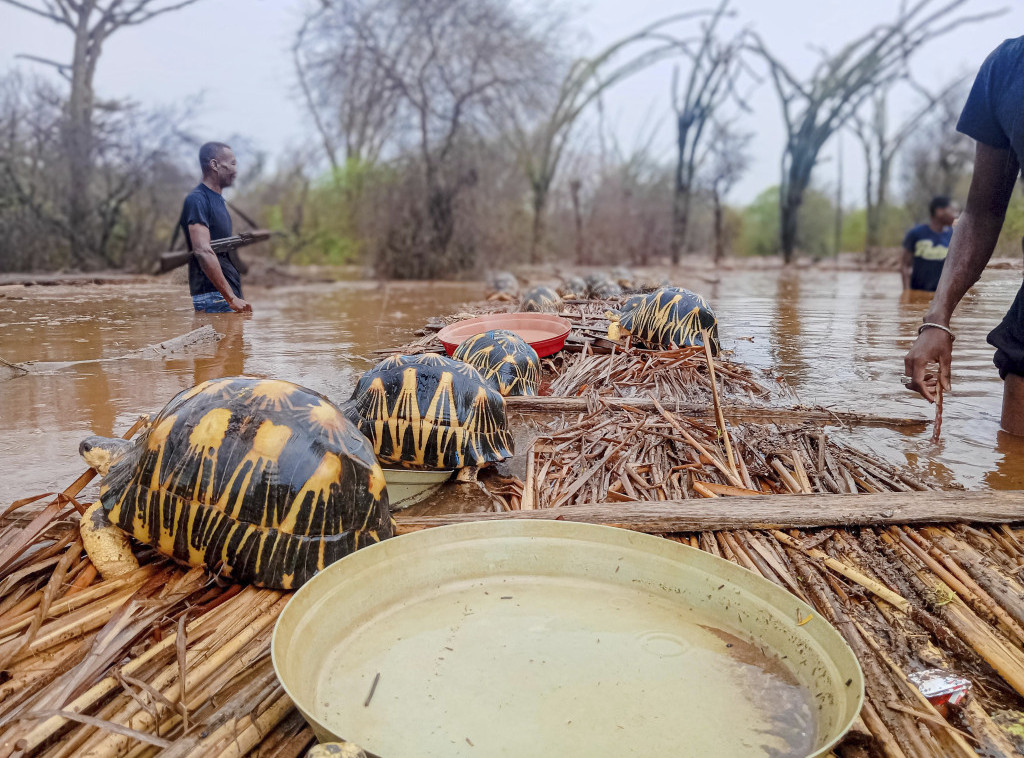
x,y
836,337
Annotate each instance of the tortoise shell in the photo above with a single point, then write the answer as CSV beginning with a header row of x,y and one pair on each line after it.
x,y
430,411
671,316
261,479
503,281
573,288
601,287
504,359
632,303
541,299
623,277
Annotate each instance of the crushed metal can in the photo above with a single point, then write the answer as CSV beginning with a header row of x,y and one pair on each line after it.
x,y
943,690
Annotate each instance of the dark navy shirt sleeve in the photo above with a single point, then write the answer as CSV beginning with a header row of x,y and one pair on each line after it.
x,y
979,119
195,211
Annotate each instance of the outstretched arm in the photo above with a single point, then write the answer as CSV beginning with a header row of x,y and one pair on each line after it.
x,y
210,265
974,239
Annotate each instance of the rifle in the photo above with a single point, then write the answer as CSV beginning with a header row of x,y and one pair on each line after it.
x,y
171,261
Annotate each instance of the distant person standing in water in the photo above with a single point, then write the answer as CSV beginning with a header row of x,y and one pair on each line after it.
x,y
926,245
994,117
213,280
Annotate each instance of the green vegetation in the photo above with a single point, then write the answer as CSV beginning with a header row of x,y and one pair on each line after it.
x,y
759,232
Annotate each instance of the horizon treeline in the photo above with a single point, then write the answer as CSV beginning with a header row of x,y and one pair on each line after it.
x,y
450,136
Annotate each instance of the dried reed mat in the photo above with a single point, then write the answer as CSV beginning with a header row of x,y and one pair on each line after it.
x,y
617,451
618,370
161,661
166,662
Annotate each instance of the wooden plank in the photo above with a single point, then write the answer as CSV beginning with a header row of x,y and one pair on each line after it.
x,y
734,413
773,512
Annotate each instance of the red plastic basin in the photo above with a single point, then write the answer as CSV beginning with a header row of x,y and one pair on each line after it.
x,y
545,333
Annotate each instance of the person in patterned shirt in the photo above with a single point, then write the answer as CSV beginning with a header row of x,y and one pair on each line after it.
x,y
926,245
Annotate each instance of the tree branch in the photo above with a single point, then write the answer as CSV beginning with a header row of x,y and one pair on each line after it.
x,y
138,14
64,69
48,14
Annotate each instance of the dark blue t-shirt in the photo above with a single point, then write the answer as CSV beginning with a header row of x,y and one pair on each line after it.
x,y
206,207
929,248
994,116
994,112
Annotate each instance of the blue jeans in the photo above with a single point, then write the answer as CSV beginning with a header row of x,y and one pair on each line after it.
x,y
210,302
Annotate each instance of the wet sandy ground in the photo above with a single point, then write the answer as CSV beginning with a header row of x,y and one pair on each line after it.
x,y
838,337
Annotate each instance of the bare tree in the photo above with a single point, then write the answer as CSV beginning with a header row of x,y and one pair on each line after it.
x,y
937,159
881,146
577,219
351,99
29,136
629,216
540,132
92,22
813,109
445,61
728,159
711,80
136,179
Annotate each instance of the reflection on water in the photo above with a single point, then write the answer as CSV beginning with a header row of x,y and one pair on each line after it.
x,y
786,326
1008,471
837,337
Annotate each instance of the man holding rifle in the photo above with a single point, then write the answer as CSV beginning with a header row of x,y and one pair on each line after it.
x,y
213,280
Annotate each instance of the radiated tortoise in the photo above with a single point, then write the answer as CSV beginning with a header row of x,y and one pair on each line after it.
x,y
504,359
541,300
261,480
671,316
430,411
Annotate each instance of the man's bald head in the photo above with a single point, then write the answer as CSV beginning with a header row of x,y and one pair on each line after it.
x,y
217,160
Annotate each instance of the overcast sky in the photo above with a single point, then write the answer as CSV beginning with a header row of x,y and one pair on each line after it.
x,y
235,54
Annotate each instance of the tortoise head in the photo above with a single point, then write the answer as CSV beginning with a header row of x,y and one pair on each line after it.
x,y
102,452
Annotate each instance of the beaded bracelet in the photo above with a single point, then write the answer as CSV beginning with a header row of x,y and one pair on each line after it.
x,y
946,329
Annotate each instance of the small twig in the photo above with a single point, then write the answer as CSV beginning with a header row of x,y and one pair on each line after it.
x,y
719,416
180,653
373,688
937,430
930,718
110,726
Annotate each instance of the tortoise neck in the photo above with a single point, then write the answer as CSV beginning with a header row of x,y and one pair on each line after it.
x,y
102,452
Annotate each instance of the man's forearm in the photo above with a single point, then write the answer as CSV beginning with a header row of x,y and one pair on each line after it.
x,y
973,241
211,267
906,268
975,235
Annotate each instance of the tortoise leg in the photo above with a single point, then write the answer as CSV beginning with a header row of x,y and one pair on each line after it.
x,y
107,546
467,475
336,750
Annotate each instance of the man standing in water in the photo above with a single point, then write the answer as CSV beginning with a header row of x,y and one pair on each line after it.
x,y
926,245
994,117
213,281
